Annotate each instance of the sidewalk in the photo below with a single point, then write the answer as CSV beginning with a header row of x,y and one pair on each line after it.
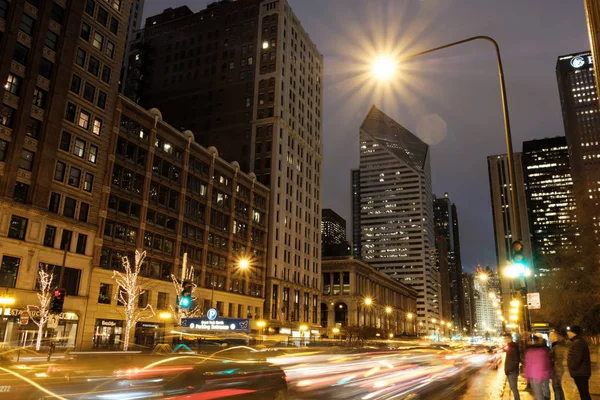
x,y
568,386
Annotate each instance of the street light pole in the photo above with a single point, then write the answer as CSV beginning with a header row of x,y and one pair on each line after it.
x,y
508,137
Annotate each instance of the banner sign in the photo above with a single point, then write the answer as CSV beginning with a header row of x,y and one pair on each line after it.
x,y
217,324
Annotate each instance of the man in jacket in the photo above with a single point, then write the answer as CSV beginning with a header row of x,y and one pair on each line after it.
x,y
578,361
511,364
557,360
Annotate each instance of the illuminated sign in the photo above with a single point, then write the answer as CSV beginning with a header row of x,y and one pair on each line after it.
x,y
212,314
285,331
217,324
580,61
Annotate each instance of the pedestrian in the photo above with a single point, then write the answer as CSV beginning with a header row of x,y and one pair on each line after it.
x,y
578,361
557,361
537,367
51,349
511,364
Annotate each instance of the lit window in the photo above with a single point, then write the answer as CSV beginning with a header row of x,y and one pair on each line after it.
x,y
265,44
13,84
98,41
79,148
84,119
97,126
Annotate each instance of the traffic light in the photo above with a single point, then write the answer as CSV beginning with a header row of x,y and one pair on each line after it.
x,y
517,253
185,299
57,301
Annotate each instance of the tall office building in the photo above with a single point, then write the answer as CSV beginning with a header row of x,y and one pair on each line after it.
x,y
397,230
131,70
592,12
550,198
468,289
333,235
60,61
502,213
446,225
356,238
484,285
581,117
440,260
247,79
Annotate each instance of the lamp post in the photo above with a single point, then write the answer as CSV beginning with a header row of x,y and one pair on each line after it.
x,y
368,301
384,68
388,311
243,264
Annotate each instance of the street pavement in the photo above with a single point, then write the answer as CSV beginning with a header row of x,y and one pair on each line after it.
x,y
485,384
569,387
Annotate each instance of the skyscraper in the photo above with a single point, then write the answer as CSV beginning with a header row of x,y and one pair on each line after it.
x,y
397,230
467,280
579,101
485,294
503,219
440,259
356,234
245,77
446,225
333,234
550,197
130,72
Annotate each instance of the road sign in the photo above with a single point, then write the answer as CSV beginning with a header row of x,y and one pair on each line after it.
x,y
53,321
24,318
533,301
212,314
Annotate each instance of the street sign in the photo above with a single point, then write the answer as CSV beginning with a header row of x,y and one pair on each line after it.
x,y
533,301
53,321
24,318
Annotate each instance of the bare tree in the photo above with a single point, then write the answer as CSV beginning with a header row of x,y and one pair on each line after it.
x,y
44,295
196,309
129,292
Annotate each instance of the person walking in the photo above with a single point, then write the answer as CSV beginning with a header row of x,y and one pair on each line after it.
x,y
557,361
578,361
537,367
511,364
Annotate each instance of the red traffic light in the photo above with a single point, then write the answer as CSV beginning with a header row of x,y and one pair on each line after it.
x,y
59,293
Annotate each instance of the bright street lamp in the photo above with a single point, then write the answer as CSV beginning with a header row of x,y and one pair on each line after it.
x,y
388,310
243,263
368,301
483,277
492,295
164,316
6,301
384,67
409,316
515,303
335,330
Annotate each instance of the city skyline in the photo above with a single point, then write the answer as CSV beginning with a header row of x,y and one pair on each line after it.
x,y
468,76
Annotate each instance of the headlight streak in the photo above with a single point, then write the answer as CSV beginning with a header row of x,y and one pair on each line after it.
x,y
32,383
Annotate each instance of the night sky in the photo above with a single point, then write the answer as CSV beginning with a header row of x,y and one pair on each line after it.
x,y
450,98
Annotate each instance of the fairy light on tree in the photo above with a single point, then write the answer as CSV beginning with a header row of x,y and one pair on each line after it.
x,y
44,296
129,292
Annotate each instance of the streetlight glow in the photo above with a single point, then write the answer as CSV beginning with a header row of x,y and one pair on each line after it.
x,y
388,310
243,263
409,316
261,324
6,301
384,67
515,303
165,315
368,301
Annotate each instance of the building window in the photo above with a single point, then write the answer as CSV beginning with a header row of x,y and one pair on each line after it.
x,y
13,84
98,41
94,66
93,154
88,183
65,141
69,207
110,49
26,161
34,128
21,54
114,25
75,84
85,32
101,99
3,149
84,119
54,202
65,240
102,16
106,73
39,97
161,304
80,58
7,115
89,92
74,177
97,126
79,149
17,228
27,24
104,294
51,40
71,112
84,209
59,171
57,13
81,244
20,192
49,236
9,270
46,68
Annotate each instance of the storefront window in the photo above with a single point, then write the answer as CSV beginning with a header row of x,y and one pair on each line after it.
x,y
107,333
26,335
148,334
